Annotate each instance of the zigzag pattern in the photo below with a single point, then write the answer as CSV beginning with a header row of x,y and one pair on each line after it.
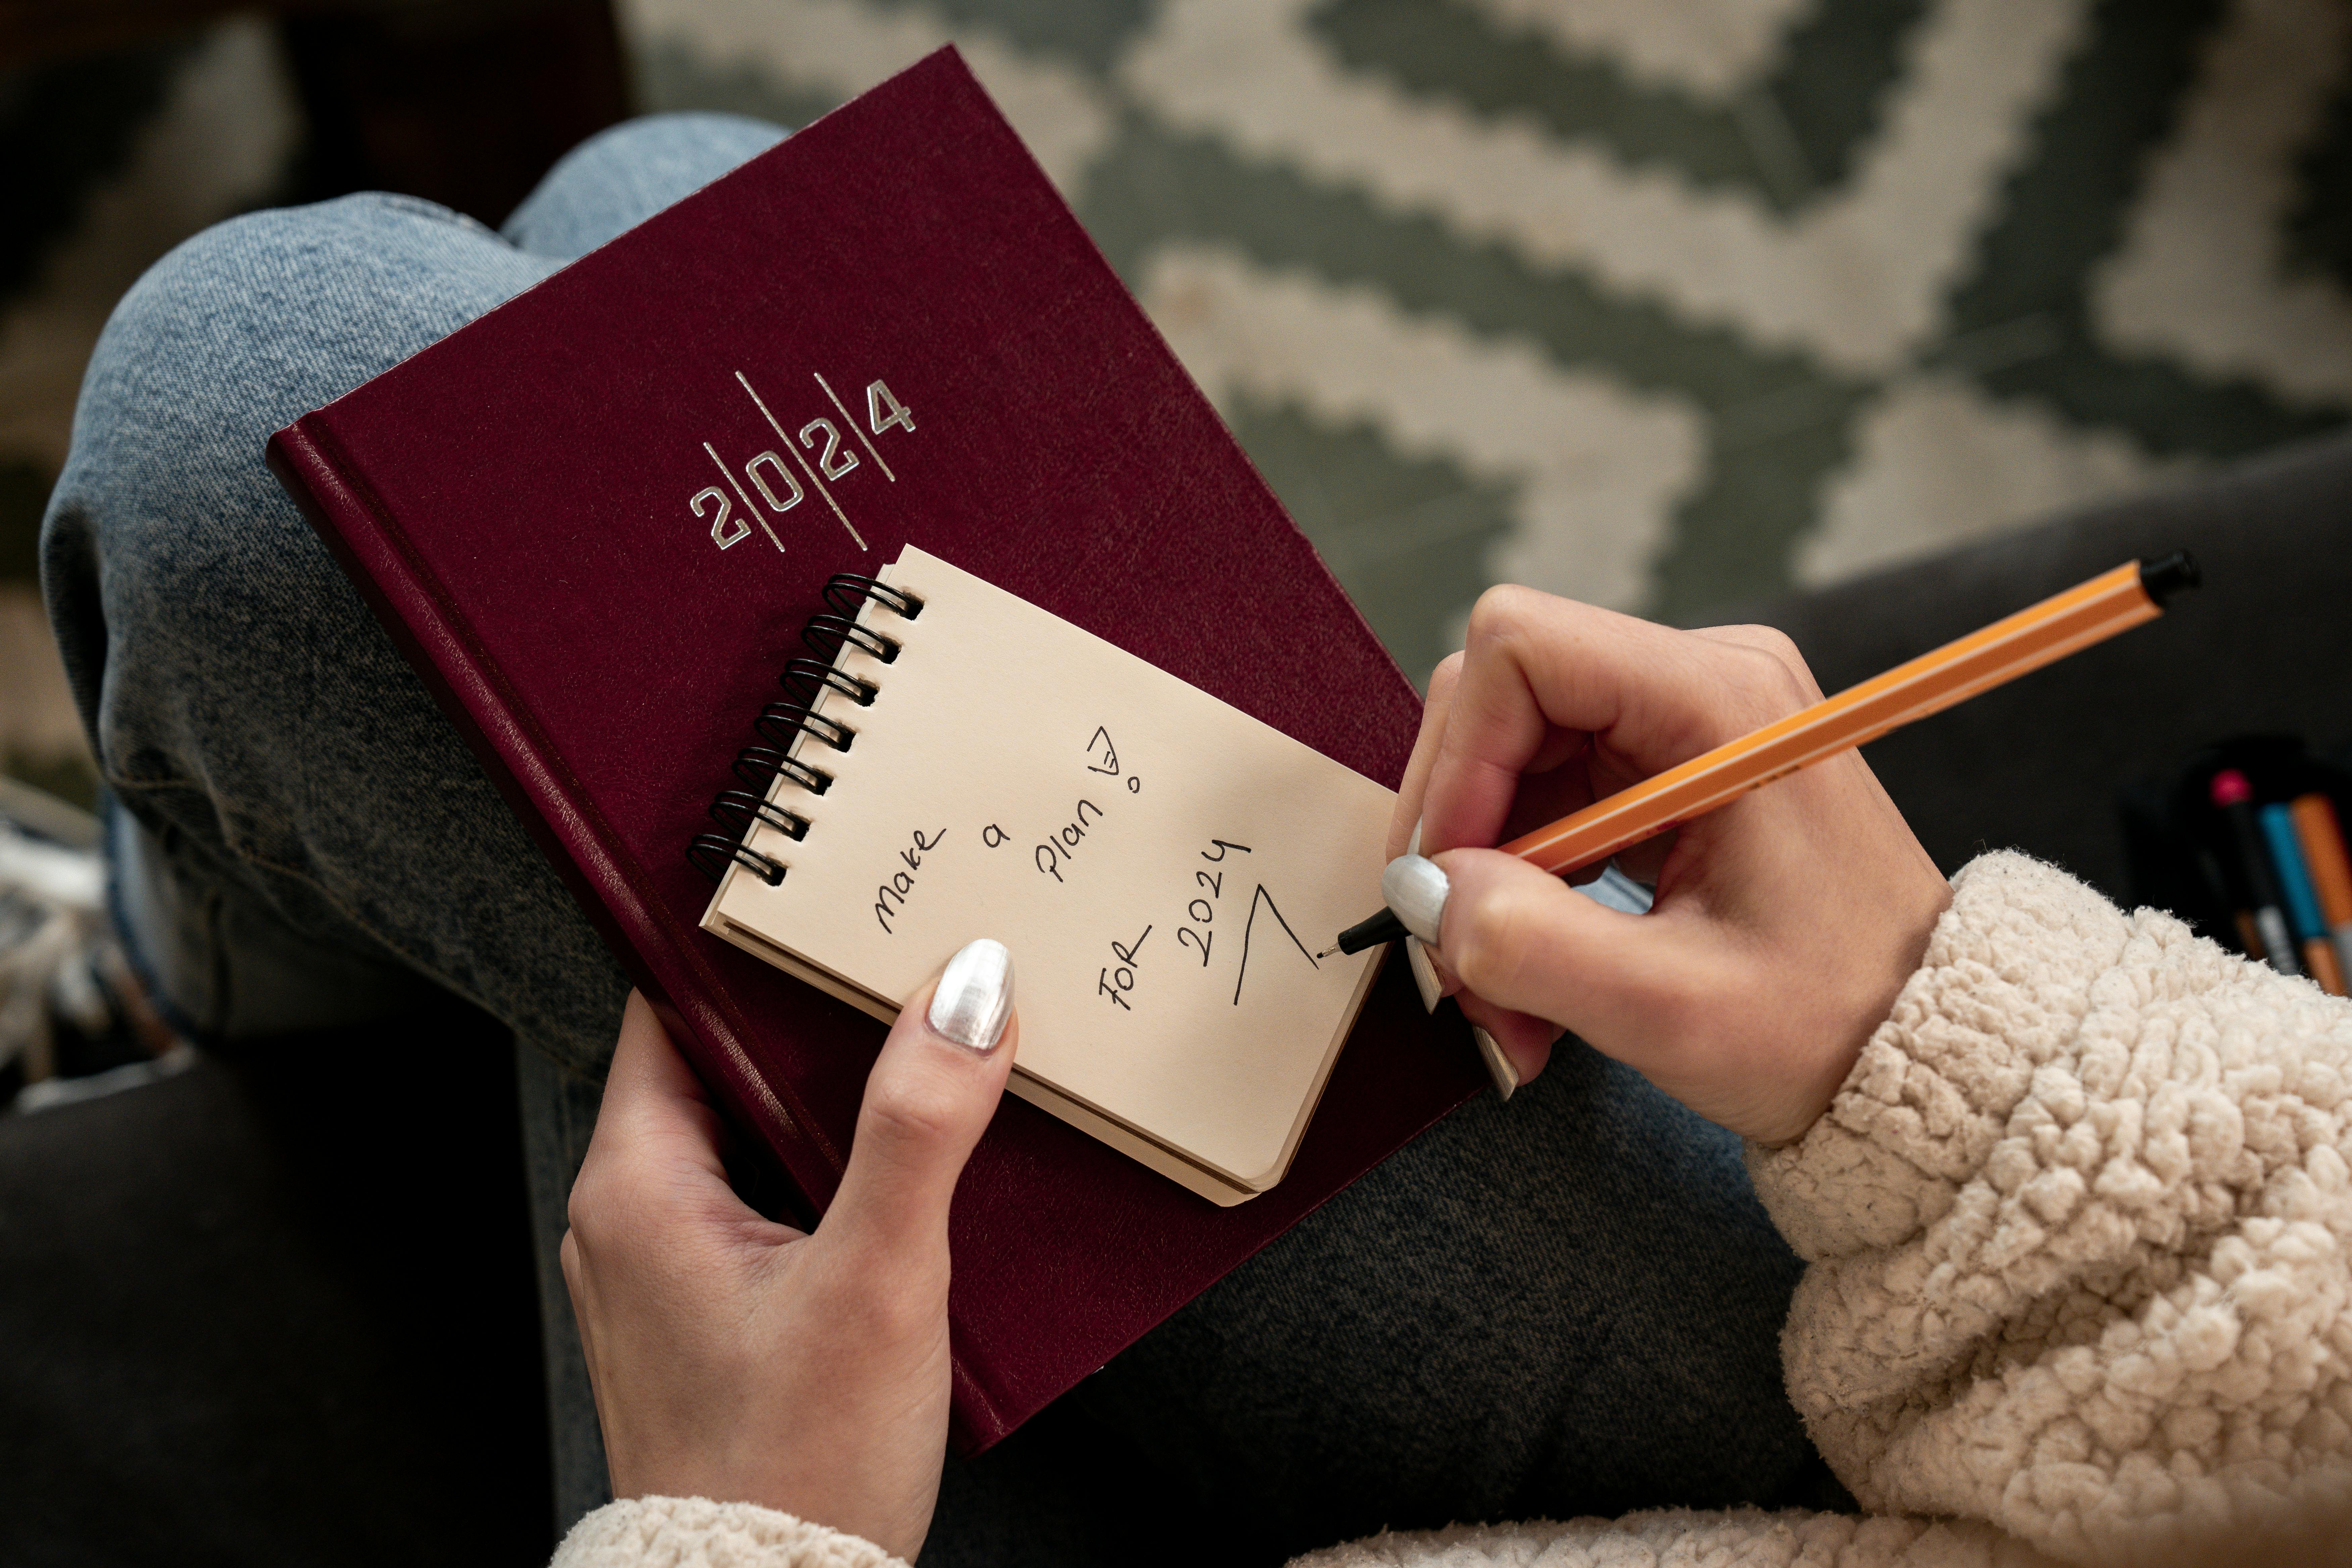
x,y
1659,305
1664,306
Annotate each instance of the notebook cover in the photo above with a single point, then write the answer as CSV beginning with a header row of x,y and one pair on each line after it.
x,y
514,503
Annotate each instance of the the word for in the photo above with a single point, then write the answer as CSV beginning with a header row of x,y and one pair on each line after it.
x,y
1116,983
902,883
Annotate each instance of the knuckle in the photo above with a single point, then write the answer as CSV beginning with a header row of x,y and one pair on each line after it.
x,y
1499,612
911,1111
1789,673
584,1211
1776,642
1489,952
594,1211
1768,684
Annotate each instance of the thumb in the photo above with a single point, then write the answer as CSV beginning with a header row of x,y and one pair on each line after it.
x,y
1523,939
928,1100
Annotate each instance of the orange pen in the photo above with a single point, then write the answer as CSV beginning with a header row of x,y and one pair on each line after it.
x,y
2064,623
2331,872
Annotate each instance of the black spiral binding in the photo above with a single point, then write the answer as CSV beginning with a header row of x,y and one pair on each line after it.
x,y
805,681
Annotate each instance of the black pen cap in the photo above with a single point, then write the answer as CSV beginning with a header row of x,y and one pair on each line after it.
x,y
2166,575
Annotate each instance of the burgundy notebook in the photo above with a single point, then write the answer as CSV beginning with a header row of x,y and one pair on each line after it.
x,y
533,507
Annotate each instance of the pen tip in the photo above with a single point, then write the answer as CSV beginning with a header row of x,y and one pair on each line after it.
x,y
1325,953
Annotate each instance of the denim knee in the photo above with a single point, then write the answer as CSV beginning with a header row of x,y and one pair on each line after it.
x,y
618,178
256,320
166,537
243,701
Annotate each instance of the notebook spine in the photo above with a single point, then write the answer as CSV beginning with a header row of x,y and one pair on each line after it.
x,y
805,682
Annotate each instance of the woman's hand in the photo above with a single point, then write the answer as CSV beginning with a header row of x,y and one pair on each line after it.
x,y
744,1361
1785,922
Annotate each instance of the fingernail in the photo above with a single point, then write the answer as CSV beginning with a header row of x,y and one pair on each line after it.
x,y
975,999
1424,975
1415,888
1498,1066
1414,847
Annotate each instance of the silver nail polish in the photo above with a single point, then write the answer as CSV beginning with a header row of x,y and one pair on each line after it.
x,y
1498,1066
1424,975
1416,955
975,999
1415,890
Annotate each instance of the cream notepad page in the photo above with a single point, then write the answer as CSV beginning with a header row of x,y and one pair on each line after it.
x,y
1163,866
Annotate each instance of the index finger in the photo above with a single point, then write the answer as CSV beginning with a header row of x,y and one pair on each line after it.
x,y
652,1097
658,1137
1415,783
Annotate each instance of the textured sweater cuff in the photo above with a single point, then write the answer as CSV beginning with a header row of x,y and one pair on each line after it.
x,y
2003,988
695,1533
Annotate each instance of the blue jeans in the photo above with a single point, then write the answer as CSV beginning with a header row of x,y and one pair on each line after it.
x,y
1570,1305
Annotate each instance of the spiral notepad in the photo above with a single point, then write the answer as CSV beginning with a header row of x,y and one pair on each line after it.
x,y
957,763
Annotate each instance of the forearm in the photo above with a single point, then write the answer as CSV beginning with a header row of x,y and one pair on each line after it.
x,y
2077,1224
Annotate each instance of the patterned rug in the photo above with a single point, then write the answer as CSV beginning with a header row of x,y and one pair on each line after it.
x,y
1655,304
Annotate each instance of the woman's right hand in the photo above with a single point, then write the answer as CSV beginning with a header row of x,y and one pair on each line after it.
x,y
1785,922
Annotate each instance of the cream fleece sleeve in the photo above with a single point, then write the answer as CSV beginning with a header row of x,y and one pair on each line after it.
x,y
695,1532
1679,1538
2078,1226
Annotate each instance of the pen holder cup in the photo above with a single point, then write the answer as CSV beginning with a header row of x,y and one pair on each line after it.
x,y
2177,846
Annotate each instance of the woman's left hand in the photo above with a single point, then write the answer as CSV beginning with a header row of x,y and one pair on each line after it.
x,y
741,1360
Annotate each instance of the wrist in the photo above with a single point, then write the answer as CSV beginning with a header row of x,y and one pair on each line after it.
x,y
1867,1001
